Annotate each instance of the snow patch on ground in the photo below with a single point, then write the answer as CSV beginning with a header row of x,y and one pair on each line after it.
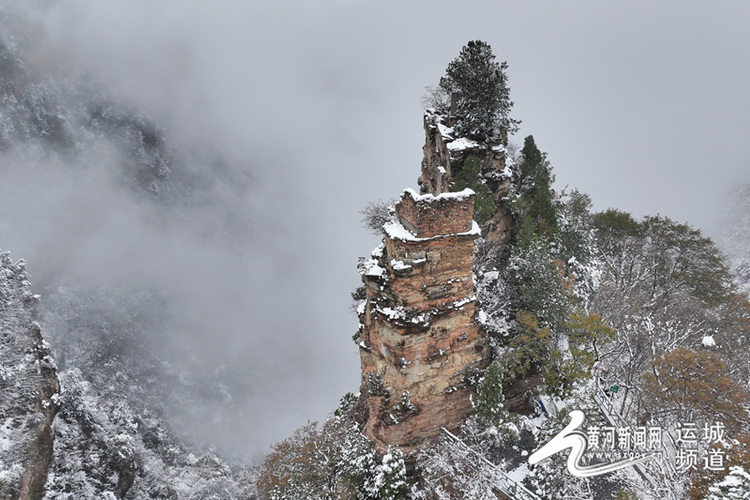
x,y
708,341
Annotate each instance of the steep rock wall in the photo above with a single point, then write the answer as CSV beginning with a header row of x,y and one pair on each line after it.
x,y
420,345
28,389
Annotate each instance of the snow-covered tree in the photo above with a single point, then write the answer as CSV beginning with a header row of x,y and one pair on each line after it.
x,y
685,385
332,460
480,85
534,195
735,486
488,401
574,244
391,476
663,286
107,448
472,466
538,278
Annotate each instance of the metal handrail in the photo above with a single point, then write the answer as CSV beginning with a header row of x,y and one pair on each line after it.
x,y
507,486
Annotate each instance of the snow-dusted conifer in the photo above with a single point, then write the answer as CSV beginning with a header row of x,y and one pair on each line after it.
x,y
482,95
488,401
391,479
734,486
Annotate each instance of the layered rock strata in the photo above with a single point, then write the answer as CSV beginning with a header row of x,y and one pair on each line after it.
x,y
420,345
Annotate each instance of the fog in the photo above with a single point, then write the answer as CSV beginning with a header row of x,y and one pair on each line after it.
x,y
313,108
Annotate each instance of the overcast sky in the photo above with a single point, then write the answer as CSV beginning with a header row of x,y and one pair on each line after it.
x,y
643,105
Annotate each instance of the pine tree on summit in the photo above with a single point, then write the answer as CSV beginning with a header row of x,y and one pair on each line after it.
x,y
482,94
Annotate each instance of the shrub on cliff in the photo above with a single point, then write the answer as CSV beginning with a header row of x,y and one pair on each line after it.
x,y
375,214
470,176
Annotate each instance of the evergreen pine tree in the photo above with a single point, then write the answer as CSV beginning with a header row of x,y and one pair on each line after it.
x,y
392,480
534,184
482,95
734,486
489,399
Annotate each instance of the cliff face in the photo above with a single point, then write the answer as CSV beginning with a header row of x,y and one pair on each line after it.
x,y
28,389
421,344
444,155
419,341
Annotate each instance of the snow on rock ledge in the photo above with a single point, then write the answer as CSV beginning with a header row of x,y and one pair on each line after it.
x,y
428,216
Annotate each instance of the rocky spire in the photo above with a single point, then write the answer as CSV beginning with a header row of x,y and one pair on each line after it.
x,y
420,343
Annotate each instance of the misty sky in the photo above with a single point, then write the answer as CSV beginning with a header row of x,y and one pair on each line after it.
x,y
643,105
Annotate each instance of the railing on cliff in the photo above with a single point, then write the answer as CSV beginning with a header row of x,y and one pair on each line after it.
x,y
504,483
616,420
